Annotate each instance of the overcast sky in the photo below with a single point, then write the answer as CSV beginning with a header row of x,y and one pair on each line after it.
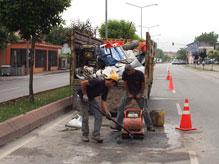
x,y
179,20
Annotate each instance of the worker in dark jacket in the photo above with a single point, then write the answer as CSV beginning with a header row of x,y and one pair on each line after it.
x,y
134,84
89,91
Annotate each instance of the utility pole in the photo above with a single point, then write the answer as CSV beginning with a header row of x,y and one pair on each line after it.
x,y
106,21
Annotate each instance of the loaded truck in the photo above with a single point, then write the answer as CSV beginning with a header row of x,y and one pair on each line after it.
x,y
90,56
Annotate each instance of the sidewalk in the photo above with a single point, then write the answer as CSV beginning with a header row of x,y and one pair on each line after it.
x,y
207,67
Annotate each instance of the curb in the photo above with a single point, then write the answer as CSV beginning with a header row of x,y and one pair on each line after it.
x,y
23,124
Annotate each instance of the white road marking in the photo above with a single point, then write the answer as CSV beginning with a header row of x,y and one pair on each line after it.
x,y
10,89
193,157
165,98
179,109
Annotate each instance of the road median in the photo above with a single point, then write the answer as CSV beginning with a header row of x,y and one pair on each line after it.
x,y
22,124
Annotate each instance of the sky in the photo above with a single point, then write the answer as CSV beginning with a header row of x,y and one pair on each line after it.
x,y
180,21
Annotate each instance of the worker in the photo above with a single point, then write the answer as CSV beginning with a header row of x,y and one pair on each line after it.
x,y
134,84
88,92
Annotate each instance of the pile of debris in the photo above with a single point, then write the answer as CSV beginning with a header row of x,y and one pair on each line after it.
x,y
99,61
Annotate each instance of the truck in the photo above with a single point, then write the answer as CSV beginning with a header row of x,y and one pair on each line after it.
x,y
88,51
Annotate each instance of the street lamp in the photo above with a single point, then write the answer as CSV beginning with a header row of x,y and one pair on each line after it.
x,y
141,7
151,27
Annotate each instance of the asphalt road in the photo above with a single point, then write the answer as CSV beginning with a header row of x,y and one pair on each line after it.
x,y
14,87
53,143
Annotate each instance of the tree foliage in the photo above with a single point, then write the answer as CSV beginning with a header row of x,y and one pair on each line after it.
x,y
161,56
32,19
181,54
57,35
60,35
84,27
214,55
210,38
6,36
119,29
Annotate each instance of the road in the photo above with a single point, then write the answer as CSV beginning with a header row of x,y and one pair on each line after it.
x,y
14,87
53,144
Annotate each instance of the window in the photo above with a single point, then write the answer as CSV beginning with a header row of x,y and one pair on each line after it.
x,y
18,57
52,57
40,58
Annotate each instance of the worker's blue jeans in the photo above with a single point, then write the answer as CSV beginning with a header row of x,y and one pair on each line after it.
x,y
84,107
142,103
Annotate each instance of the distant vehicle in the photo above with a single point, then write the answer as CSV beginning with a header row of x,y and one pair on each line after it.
x,y
178,61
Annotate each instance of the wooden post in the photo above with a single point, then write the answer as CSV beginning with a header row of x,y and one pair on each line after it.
x,y
72,60
147,65
72,65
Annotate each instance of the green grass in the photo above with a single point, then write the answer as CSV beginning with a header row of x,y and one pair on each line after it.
x,y
22,105
199,68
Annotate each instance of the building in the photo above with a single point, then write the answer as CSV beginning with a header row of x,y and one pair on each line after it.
x,y
195,48
15,55
170,54
217,46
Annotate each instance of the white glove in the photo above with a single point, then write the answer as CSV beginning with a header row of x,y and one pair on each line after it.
x,y
108,114
85,98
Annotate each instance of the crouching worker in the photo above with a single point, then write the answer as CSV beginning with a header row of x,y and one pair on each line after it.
x,y
88,92
134,84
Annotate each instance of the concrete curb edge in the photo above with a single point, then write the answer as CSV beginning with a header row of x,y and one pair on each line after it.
x,y
22,124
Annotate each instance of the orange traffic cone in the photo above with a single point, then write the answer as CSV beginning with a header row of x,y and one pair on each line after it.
x,y
168,75
186,123
171,87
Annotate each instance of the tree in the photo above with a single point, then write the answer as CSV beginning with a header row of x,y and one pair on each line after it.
x,y
181,54
119,29
84,27
32,19
60,35
6,36
214,55
161,56
210,38
3,37
57,35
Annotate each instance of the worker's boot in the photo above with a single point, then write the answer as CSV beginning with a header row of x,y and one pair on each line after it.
x,y
85,138
97,138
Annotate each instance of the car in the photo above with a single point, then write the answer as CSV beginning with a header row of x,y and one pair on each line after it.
x,y
178,61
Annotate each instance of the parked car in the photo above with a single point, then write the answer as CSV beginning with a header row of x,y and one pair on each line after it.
x,y
178,61
5,70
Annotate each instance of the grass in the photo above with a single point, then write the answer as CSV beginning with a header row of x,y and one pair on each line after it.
x,y
200,68
22,105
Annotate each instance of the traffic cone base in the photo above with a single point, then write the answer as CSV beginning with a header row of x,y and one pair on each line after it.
x,y
186,129
186,122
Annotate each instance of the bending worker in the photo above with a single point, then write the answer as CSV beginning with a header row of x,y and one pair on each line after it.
x,y
134,84
88,92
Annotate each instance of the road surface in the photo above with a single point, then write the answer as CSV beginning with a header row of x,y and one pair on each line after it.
x,y
14,87
53,144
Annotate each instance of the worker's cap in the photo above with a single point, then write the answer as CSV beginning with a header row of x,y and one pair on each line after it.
x,y
113,76
128,67
143,47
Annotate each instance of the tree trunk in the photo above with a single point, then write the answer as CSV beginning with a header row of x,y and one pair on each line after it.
x,y
32,54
